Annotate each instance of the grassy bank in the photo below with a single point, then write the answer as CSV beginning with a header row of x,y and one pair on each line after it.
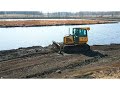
x,y
32,23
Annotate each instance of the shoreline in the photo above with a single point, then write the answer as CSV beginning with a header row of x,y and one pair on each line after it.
x,y
24,51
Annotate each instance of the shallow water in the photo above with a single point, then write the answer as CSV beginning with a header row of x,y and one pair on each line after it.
x,y
12,38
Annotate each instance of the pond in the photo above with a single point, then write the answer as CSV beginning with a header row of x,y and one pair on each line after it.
x,y
13,38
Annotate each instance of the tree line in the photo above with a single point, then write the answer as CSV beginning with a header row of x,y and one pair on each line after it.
x,y
37,14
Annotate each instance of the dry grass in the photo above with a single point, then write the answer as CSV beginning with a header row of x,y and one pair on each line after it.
x,y
49,22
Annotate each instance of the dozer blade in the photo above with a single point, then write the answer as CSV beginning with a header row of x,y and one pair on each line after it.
x,y
76,48
56,44
58,47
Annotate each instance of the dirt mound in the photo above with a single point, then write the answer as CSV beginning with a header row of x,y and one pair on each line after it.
x,y
25,52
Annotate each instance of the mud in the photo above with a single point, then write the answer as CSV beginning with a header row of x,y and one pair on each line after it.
x,y
102,61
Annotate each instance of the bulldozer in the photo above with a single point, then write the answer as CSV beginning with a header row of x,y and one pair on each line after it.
x,y
77,41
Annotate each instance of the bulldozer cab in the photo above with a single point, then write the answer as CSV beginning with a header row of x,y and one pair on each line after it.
x,y
79,32
79,36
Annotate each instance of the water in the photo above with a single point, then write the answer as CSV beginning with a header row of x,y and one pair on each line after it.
x,y
12,38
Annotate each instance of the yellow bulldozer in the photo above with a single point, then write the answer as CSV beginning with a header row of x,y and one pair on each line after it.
x,y
77,41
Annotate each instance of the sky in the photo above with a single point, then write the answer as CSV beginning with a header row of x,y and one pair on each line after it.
x,y
59,5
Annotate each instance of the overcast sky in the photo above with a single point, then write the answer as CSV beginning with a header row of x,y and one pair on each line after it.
x,y
59,5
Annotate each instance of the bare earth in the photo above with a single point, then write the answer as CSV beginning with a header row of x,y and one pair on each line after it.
x,y
103,61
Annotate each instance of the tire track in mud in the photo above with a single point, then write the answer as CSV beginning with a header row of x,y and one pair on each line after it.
x,y
103,65
70,66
